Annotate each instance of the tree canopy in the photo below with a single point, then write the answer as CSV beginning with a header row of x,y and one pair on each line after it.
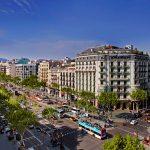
x,y
138,95
123,143
108,99
49,113
32,82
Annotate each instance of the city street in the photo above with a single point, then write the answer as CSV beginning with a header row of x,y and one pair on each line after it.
x,y
72,137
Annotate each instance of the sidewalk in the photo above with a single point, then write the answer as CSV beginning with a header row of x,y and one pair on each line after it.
x,y
5,144
117,115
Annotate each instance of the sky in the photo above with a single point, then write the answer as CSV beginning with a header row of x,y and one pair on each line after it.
x,y
54,29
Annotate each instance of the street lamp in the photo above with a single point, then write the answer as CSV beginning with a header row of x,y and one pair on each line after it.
x,y
137,131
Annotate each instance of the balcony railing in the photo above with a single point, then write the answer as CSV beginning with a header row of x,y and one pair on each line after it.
x,y
116,78
120,85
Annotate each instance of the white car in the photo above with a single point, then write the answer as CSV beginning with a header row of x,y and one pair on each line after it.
x,y
133,122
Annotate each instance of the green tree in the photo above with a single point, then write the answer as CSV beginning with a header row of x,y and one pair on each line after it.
x,y
86,101
31,82
43,84
123,143
20,120
107,100
16,80
5,78
4,98
138,96
55,87
50,114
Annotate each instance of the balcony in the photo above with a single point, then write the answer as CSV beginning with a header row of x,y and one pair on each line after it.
x,y
102,72
119,79
120,66
119,85
102,79
121,73
104,66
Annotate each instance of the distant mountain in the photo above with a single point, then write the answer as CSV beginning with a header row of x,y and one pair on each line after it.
x,y
3,59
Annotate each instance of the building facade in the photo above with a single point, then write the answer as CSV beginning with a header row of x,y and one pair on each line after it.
x,y
54,75
110,68
25,70
11,69
43,70
3,66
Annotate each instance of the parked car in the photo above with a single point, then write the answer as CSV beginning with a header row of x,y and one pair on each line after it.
x,y
10,137
147,113
7,130
133,122
38,129
31,126
18,137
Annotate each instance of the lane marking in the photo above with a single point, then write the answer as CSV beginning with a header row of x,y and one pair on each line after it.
x,y
34,136
28,138
130,132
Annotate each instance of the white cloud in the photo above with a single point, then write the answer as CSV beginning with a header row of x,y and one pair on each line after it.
x,y
19,3
4,11
25,5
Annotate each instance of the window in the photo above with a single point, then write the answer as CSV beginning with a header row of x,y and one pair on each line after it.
x,y
102,76
125,63
118,63
101,63
112,63
118,76
125,96
101,82
118,82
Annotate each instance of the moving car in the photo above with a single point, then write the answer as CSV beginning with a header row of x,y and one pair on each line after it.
x,y
73,119
133,122
31,126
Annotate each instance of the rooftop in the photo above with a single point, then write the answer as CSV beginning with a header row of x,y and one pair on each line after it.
x,y
110,49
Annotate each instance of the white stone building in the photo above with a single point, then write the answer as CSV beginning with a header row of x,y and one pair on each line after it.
x,y
110,68
25,70
11,69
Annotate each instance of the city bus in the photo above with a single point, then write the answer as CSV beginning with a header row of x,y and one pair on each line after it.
x,y
96,131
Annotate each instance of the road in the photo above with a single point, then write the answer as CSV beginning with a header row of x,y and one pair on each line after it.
x,y
77,140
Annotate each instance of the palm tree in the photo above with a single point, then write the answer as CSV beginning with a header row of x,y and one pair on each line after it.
x,y
50,114
137,96
20,120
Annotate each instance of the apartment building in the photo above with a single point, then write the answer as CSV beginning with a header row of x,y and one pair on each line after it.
x,y
11,69
110,68
67,76
67,79
25,70
43,70
54,75
3,66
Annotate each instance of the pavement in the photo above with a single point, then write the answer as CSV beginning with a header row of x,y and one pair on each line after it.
x,y
74,139
5,144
